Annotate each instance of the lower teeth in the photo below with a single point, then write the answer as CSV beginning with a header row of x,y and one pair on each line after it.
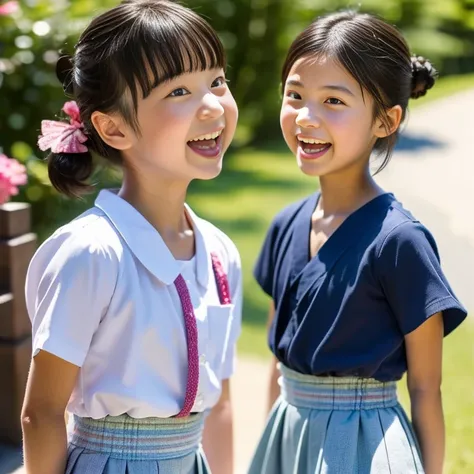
x,y
312,150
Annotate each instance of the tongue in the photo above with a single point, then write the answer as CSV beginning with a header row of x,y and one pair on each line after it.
x,y
315,146
203,144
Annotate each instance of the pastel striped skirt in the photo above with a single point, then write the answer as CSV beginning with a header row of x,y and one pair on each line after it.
x,y
125,445
335,425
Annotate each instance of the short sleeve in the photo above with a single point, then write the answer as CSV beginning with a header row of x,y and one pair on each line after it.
x,y
69,285
413,281
236,291
264,268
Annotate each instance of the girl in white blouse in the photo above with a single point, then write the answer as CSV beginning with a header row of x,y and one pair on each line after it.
x,y
136,304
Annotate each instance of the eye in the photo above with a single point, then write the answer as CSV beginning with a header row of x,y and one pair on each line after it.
x,y
293,95
334,101
179,92
219,82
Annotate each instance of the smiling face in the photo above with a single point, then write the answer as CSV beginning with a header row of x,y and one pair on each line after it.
x,y
185,126
326,119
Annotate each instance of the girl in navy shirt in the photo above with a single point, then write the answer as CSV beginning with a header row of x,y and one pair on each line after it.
x,y
358,294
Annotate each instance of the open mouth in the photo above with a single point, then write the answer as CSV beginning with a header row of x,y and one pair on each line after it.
x,y
313,148
208,145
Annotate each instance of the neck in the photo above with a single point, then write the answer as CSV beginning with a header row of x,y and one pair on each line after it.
x,y
159,200
342,193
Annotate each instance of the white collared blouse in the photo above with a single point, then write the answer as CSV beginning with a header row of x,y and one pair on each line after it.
x,y
100,295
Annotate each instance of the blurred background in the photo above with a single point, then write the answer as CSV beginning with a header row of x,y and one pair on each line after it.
x,y
260,176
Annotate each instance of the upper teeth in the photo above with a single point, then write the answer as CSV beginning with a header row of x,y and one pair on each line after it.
x,y
311,140
209,136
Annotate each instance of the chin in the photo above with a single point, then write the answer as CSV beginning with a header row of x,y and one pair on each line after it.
x,y
209,172
315,170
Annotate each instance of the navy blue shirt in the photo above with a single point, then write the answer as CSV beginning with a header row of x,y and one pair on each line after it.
x,y
345,311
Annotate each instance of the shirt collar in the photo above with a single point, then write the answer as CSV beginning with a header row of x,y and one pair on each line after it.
x,y
147,244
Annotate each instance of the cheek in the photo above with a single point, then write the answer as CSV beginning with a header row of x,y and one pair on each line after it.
x,y
287,120
231,111
169,124
351,120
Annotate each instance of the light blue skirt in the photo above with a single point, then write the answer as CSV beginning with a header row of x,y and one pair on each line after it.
x,y
332,425
125,445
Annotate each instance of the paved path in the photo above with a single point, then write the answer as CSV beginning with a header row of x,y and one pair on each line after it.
x,y
432,173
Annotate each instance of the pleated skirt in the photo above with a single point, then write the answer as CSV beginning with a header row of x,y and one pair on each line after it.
x,y
333,425
125,445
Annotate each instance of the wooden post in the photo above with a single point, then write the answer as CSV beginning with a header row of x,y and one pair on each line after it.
x,y
17,246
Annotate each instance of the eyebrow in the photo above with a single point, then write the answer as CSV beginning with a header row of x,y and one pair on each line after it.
x,y
332,87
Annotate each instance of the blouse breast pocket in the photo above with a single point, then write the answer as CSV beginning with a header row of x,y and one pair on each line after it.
x,y
220,328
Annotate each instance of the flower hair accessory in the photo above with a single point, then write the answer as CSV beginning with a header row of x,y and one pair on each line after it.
x,y
63,137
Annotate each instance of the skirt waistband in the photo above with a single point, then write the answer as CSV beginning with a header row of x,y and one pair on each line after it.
x,y
133,439
336,393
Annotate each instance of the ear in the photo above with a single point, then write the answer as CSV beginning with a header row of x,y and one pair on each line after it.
x,y
113,130
388,125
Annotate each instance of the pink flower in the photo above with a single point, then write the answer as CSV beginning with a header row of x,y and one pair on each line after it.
x,y
12,175
9,8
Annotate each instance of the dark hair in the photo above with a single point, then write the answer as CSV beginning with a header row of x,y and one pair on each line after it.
x,y
133,47
375,54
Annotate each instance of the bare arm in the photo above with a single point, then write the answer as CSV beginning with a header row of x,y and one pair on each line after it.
x,y
50,384
273,387
424,354
218,440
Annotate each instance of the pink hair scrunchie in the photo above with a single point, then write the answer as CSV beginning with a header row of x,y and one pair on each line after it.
x,y
63,137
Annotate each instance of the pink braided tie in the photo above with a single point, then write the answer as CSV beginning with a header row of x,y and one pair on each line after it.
x,y
192,341
221,280
191,329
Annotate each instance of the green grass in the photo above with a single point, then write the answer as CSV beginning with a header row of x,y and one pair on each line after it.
x,y
458,399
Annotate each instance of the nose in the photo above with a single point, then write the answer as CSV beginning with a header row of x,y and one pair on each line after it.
x,y
211,107
307,118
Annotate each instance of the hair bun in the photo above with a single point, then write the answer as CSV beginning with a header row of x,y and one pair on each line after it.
x,y
64,73
423,76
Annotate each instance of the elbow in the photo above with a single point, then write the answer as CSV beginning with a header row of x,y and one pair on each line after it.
x,y
429,387
222,407
425,394
33,418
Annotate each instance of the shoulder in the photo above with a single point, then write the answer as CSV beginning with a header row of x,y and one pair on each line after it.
x,y
87,241
404,236
401,227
